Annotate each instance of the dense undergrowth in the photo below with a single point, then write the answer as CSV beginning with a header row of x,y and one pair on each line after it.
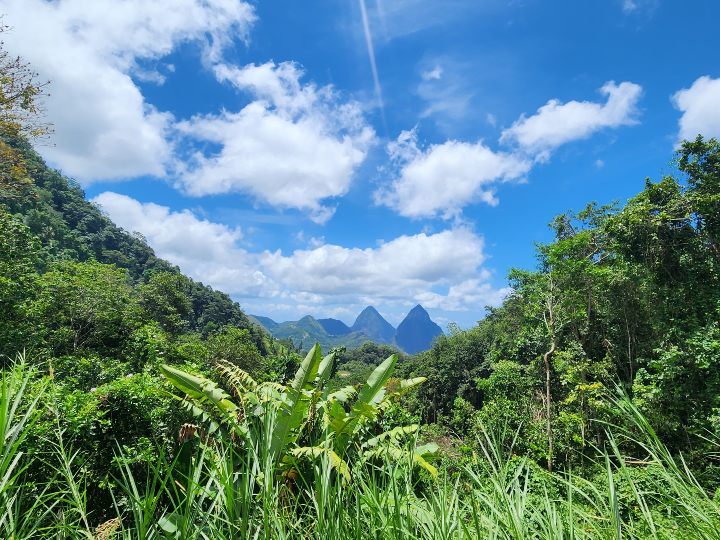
x,y
218,488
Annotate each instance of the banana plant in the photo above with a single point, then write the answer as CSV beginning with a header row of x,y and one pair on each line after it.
x,y
334,424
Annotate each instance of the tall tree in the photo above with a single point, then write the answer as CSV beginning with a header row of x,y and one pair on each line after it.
x,y
20,115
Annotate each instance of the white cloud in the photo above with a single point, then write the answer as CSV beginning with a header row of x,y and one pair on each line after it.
x,y
294,146
469,294
443,178
204,250
639,7
434,74
700,107
629,6
324,278
398,268
557,123
104,128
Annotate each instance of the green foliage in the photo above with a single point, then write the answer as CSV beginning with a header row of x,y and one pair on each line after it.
x,y
83,306
165,298
535,442
451,366
623,295
229,490
19,256
371,353
302,420
236,346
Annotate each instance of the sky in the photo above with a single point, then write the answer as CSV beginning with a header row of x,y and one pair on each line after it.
x,y
316,157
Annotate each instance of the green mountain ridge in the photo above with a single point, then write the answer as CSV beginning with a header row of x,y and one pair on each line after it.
x,y
69,227
307,331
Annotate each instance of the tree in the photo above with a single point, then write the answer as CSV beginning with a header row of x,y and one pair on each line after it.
x,y
370,353
84,306
20,112
700,160
542,300
165,299
19,257
237,347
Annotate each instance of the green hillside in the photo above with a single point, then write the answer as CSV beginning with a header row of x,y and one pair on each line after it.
x,y
70,228
308,331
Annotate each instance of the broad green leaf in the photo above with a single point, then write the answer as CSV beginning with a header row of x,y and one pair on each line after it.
x,y
377,380
308,370
406,385
343,394
294,411
200,388
427,449
325,369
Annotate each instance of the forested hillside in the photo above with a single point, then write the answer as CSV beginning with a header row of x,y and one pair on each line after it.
x,y
627,297
69,228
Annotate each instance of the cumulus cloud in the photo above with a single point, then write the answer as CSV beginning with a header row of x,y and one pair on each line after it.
x,y
444,270
206,251
556,123
104,128
443,178
700,107
294,145
396,268
459,297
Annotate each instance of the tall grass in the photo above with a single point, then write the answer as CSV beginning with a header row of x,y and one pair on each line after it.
x,y
217,489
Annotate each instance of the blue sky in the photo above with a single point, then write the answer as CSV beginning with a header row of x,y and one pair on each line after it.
x,y
319,156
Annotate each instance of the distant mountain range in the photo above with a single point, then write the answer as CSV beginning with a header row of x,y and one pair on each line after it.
x,y
413,335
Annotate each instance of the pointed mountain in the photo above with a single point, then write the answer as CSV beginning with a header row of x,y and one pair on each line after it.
x,y
334,327
417,331
372,324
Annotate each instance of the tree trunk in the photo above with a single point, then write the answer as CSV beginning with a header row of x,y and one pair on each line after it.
x,y
548,402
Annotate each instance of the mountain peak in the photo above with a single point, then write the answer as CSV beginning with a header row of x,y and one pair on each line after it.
x,y
417,331
415,334
418,310
372,324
